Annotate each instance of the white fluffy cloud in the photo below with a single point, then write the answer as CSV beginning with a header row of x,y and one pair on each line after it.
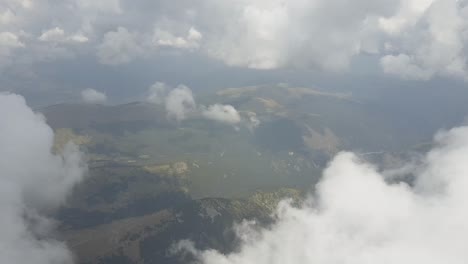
x,y
92,96
427,36
270,34
58,35
119,47
165,38
222,113
33,181
157,93
8,42
53,35
359,217
428,39
180,103
6,16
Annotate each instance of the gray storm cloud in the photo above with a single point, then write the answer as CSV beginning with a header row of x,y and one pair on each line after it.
x,y
33,181
358,217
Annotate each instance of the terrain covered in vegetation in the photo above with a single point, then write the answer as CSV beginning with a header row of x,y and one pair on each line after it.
x,y
154,182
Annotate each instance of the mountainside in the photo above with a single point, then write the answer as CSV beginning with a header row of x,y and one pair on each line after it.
x,y
154,182
150,238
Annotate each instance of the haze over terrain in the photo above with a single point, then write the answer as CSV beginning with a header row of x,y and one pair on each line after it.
x,y
234,131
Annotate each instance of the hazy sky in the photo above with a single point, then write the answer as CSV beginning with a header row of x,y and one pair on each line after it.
x,y
52,50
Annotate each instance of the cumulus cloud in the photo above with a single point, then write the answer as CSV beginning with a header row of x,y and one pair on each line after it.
x,y
165,38
92,96
180,103
33,182
9,41
6,16
58,35
252,121
429,40
272,34
157,93
119,47
78,38
54,35
222,113
427,36
357,216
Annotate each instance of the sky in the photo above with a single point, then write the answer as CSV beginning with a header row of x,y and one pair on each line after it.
x,y
50,51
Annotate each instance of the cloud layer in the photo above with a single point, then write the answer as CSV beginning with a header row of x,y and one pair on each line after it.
x,y
358,217
33,182
411,39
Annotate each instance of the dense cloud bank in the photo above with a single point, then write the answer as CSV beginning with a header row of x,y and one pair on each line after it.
x,y
33,181
412,39
356,216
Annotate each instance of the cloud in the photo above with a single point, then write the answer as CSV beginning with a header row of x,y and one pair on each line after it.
x,y
427,36
180,103
53,35
222,113
428,39
7,16
165,38
119,47
33,182
106,6
92,96
252,121
157,93
9,41
78,38
405,67
357,216
57,35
